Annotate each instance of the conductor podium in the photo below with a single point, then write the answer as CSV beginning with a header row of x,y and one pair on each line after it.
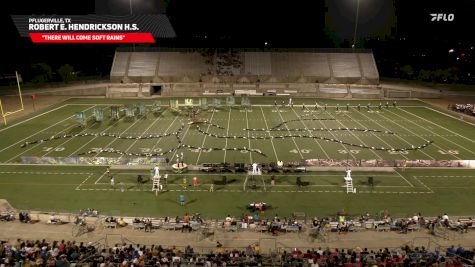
x,y
180,167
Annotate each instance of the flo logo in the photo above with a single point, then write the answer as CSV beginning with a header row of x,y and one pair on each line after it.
x,y
442,17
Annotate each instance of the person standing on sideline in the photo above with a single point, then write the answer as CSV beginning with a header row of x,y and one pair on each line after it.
x,y
181,198
112,182
184,183
156,171
195,183
122,187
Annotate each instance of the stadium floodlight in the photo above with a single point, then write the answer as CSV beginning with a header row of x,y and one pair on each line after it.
x,y
451,50
356,23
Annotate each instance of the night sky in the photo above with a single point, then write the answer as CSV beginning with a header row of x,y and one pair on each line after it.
x,y
251,23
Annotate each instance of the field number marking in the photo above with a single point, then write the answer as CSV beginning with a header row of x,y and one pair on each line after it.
x,y
303,151
59,148
352,151
398,152
149,150
449,152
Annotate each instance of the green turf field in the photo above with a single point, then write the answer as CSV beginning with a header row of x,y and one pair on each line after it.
x,y
411,124
258,128
62,189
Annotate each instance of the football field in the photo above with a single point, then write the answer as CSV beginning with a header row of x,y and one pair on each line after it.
x,y
261,133
316,129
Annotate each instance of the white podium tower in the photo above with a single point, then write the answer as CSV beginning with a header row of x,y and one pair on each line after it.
x,y
349,183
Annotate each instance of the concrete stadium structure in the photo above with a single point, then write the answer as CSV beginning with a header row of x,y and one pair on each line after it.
x,y
330,73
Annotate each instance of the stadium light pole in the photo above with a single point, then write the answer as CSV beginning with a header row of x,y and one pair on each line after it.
x,y
130,6
356,23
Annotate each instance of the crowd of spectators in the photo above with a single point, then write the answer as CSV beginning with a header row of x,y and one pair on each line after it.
x,y
463,108
29,253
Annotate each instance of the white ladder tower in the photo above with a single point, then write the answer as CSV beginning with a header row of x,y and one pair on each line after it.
x,y
156,184
349,183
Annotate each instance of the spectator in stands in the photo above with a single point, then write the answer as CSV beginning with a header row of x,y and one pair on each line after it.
x,y
24,217
148,225
53,219
121,222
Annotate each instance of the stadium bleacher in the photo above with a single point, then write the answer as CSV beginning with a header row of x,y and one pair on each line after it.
x,y
304,72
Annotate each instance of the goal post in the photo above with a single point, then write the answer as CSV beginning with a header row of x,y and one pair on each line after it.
x,y
2,110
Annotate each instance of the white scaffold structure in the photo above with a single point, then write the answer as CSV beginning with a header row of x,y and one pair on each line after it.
x,y
349,183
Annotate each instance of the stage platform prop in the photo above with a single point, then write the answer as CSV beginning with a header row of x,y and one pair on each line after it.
x,y
115,113
98,114
80,118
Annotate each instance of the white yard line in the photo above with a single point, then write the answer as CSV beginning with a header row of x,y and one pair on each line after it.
x,y
428,188
160,139
375,135
183,138
95,137
146,130
100,177
36,145
85,180
68,140
400,126
204,139
439,136
449,115
268,132
248,139
443,128
39,115
39,131
344,147
227,132
400,175
115,139
310,132
293,139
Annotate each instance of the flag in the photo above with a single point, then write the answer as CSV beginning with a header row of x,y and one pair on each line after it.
x,y
33,96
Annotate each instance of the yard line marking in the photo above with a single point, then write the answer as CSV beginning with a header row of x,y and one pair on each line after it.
x,y
448,115
70,139
271,141
166,130
434,143
115,139
48,173
227,134
293,139
87,178
428,188
85,144
204,139
399,125
400,175
399,136
444,129
39,131
37,145
348,152
39,115
353,174
141,134
100,177
310,132
183,138
390,146
248,139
